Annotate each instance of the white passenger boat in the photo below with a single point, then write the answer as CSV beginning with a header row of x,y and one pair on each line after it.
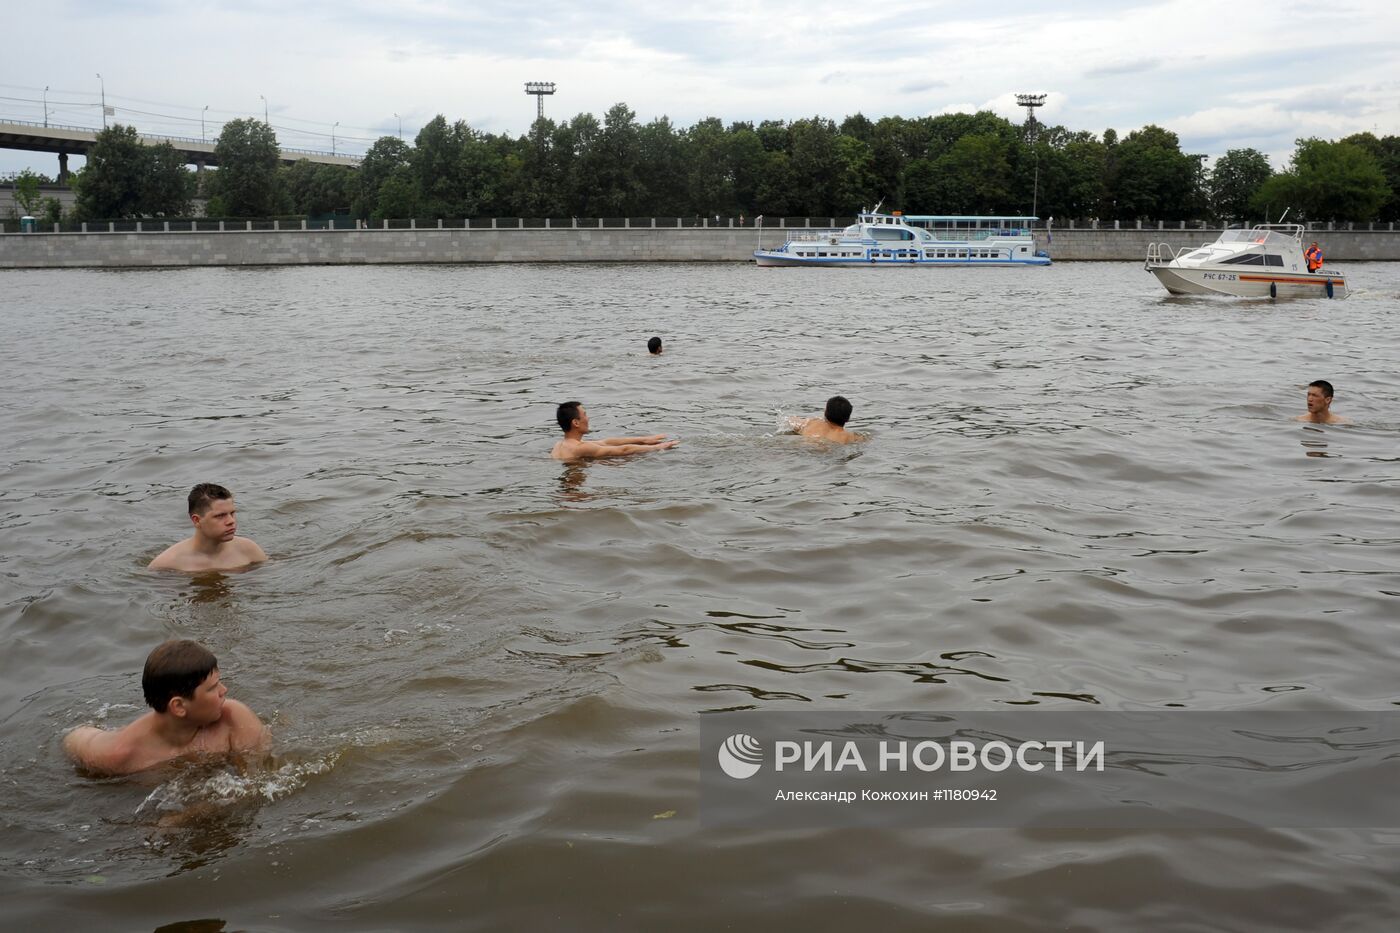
x,y
877,239
1263,262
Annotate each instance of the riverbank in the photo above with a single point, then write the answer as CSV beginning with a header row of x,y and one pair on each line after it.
x,y
298,247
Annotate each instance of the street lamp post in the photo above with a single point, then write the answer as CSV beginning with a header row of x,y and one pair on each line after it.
x,y
265,119
104,100
337,123
46,105
201,123
400,119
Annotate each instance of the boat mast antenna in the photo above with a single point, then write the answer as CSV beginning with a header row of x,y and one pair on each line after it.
x,y
539,89
1031,102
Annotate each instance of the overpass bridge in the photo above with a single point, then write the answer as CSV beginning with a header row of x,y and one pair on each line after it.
x,y
65,140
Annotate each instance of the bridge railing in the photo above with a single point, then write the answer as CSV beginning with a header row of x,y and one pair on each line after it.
x,y
180,140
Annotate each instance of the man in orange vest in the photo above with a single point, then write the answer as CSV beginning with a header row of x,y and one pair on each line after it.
x,y
1314,257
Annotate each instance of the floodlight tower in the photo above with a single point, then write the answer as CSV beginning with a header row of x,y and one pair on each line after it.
x,y
539,89
1030,102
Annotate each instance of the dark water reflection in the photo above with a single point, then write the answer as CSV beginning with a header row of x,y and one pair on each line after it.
x,y
484,668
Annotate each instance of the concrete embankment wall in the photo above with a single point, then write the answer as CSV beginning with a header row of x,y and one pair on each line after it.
x,y
637,244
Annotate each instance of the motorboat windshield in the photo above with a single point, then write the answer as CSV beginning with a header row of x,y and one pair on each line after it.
x,y
1271,239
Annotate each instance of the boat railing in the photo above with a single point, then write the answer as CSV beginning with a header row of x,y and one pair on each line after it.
x,y
972,236
1159,254
813,235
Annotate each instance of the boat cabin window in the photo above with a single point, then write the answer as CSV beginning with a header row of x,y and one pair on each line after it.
x,y
891,233
1248,259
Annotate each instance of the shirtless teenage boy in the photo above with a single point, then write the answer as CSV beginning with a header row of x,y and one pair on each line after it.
x,y
573,419
215,544
831,426
189,716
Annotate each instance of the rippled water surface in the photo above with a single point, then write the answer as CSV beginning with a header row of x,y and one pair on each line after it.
x,y
485,669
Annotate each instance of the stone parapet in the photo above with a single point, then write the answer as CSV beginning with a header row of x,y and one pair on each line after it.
x,y
611,244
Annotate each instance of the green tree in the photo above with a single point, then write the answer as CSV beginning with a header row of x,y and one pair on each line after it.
x,y
709,183
385,156
482,169
972,177
661,168
1327,181
437,167
314,188
398,196
168,185
535,184
1235,180
813,165
1152,177
27,194
746,166
776,192
114,179
53,210
611,164
571,192
247,155
1386,152
854,186
1086,171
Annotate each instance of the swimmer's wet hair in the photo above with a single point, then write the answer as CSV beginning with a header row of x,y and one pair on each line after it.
x,y
205,493
175,668
1324,385
838,410
654,345
566,414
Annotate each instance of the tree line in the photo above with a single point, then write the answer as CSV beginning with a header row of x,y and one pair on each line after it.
x,y
950,164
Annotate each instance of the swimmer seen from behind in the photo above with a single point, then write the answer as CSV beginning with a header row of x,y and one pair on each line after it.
x,y
573,420
831,426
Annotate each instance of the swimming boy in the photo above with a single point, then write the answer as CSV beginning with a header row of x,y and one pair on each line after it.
x,y
573,419
831,426
215,544
190,716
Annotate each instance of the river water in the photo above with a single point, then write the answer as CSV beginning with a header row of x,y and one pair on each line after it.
x,y
485,670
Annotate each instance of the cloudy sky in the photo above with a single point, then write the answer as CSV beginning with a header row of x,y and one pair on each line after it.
x,y
1220,75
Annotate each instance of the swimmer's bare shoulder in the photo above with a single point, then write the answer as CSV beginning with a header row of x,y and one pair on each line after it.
x,y
136,747
235,555
821,429
246,732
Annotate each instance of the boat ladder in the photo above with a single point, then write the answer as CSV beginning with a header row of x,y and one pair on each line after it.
x,y
1158,254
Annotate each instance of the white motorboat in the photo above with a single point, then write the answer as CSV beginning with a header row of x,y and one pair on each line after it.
x,y
1265,261
877,239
